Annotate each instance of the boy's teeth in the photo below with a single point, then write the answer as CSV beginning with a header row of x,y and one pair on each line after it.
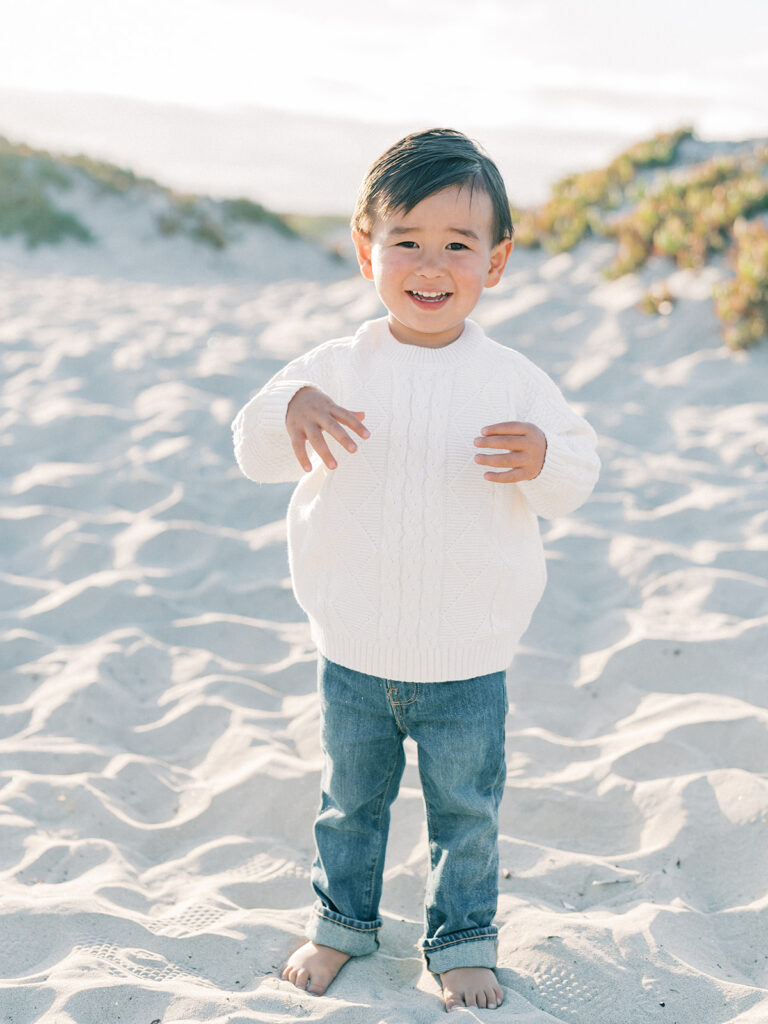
x,y
430,295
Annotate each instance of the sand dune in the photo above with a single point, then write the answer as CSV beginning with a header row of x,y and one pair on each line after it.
x,y
158,739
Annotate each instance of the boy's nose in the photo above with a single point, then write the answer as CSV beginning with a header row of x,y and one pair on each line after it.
x,y
430,266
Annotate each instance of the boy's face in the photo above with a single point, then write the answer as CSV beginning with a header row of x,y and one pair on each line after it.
x,y
430,265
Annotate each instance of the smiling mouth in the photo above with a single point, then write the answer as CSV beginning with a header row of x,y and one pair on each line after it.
x,y
430,297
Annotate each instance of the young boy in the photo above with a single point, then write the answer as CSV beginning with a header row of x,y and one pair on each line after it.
x,y
418,571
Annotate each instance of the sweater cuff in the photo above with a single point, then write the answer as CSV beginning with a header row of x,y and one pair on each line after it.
x,y
275,401
558,463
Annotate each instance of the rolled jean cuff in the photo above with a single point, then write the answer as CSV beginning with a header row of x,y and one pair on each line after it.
x,y
476,947
327,928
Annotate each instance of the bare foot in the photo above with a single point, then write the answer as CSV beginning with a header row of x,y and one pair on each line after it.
x,y
471,986
313,967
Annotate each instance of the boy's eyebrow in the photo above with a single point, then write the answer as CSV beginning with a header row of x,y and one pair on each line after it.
x,y
467,232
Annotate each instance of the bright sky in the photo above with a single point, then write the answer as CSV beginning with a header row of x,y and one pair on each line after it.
x,y
600,64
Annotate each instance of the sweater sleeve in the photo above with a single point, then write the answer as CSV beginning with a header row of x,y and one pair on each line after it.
x,y
262,445
571,464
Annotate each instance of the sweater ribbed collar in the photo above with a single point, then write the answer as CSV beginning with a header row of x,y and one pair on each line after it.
x,y
418,356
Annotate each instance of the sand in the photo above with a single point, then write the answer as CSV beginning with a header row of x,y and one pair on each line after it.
x,y
158,741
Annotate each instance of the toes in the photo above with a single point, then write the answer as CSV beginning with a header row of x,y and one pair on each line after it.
x,y
302,977
482,1000
493,998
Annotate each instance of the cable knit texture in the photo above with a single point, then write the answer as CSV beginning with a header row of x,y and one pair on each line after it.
x,y
408,563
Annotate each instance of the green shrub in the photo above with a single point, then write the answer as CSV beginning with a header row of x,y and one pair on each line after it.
x,y
110,177
686,217
25,207
249,212
187,215
690,217
742,303
573,212
658,299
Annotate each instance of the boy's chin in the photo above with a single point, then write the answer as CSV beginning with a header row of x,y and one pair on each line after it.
x,y
412,333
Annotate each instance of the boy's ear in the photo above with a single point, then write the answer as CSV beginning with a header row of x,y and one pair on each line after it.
x,y
499,256
362,244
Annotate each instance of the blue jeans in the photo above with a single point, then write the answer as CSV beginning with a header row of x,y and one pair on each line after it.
x,y
458,727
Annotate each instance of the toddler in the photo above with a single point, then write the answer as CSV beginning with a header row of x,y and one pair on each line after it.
x,y
414,550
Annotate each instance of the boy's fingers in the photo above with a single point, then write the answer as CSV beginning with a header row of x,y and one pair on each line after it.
x,y
300,450
352,419
316,439
513,442
335,429
511,427
508,460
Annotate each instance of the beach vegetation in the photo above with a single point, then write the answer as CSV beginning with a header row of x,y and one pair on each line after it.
x,y
741,303
687,215
574,210
658,299
331,231
26,207
214,222
110,177
186,215
27,176
249,212
691,216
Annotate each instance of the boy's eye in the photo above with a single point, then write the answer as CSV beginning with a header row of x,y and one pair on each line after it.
x,y
454,246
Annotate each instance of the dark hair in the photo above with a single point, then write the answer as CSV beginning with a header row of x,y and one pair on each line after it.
x,y
424,163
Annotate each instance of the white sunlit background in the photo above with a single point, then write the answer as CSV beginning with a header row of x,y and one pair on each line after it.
x,y
289,102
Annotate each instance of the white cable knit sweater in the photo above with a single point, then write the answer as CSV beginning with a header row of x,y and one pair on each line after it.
x,y
408,563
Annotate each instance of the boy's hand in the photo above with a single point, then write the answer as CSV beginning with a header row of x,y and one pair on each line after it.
x,y
310,412
525,447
